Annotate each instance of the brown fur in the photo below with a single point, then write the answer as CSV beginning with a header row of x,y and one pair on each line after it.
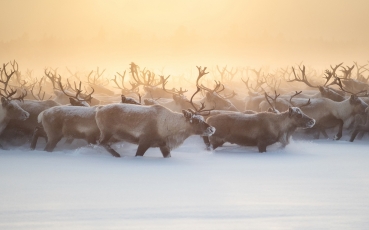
x,y
261,129
148,126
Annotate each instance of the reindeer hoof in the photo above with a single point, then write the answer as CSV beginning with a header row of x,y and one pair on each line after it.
x,y
337,137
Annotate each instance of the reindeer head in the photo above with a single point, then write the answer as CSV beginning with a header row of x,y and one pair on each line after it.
x,y
299,118
197,123
358,104
129,100
13,110
331,94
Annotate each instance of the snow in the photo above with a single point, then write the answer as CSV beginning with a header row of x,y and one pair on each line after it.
x,y
320,184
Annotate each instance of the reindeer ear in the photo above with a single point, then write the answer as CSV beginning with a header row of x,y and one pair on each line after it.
x,y
4,102
175,98
353,98
123,98
322,90
192,111
187,114
290,111
73,101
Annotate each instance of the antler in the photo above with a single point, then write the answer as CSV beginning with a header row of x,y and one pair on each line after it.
x,y
78,92
134,86
202,109
274,85
339,83
7,78
172,91
96,80
360,70
53,78
273,99
303,77
146,78
10,93
38,95
347,72
297,93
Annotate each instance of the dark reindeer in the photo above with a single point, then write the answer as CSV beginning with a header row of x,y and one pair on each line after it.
x,y
361,125
260,129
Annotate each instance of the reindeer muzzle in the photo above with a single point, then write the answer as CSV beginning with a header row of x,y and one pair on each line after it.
x,y
209,131
310,123
25,116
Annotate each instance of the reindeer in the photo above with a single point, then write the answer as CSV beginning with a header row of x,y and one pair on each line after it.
x,y
9,109
147,79
79,99
361,125
98,83
329,114
179,102
260,129
133,91
68,129
212,97
71,122
130,100
149,126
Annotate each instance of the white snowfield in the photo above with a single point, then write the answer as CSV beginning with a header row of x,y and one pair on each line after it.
x,y
320,184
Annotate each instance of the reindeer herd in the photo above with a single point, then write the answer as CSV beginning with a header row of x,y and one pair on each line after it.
x,y
242,106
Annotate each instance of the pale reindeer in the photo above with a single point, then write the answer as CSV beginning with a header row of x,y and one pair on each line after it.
x,y
148,126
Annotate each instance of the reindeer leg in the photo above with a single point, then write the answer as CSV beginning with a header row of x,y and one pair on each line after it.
x,y
35,136
339,134
324,133
262,147
52,143
207,142
111,150
91,140
104,138
353,135
142,148
361,135
104,142
69,141
360,129
165,151
216,142
316,132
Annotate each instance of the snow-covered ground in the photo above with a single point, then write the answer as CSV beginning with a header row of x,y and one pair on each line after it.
x,y
320,184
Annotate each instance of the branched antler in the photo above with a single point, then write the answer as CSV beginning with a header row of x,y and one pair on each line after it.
x,y
174,90
301,78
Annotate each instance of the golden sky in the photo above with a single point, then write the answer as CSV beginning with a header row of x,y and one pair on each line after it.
x,y
62,32
84,18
